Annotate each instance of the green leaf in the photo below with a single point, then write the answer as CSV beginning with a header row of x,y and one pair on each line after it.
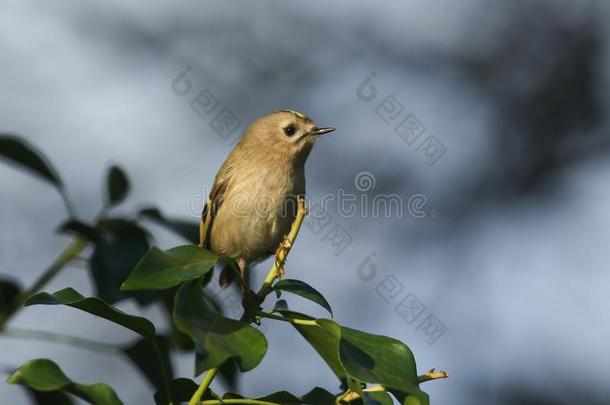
x,y
94,306
9,291
21,152
80,229
45,375
178,339
189,230
378,359
121,246
181,389
117,185
216,338
324,337
280,397
368,358
145,356
304,290
319,396
159,270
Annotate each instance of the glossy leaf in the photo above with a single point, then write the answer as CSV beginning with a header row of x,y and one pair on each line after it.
x,y
122,245
159,270
44,375
216,338
378,359
117,185
280,397
304,290
21,152
180,340
317,396
324,337
189,230
368,358
94,306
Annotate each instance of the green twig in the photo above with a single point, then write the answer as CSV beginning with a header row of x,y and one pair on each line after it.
x,y
205,383
304,322
69,253
432,374
278,264
351,396
342,398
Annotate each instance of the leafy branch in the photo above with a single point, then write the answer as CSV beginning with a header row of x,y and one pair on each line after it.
x,y
276,270
371,369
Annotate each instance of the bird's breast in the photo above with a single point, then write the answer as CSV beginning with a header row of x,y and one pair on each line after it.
x,y
258,209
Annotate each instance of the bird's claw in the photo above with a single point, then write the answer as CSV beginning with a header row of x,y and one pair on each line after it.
x,y
285,245
281,272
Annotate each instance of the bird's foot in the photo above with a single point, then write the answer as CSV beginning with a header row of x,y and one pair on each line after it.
x,y
286,244
284,247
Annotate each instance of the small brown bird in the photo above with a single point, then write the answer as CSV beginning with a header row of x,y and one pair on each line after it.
x,y
253,201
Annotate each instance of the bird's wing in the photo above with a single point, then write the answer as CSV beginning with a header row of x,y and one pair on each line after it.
x,y
210,209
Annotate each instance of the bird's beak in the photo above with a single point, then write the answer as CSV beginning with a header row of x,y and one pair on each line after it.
x,y
320,131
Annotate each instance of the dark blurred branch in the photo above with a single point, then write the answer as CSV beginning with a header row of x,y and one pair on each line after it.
x,y
58,338
69,254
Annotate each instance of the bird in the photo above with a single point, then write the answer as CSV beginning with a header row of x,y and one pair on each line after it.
x,y
253,200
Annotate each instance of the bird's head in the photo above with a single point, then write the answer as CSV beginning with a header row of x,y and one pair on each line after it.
x,y
285,132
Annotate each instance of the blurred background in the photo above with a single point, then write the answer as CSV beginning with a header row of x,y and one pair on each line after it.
x,y
488,119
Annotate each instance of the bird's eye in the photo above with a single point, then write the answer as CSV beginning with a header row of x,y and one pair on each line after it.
x,y
290,130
